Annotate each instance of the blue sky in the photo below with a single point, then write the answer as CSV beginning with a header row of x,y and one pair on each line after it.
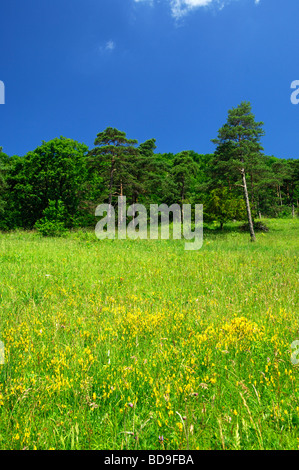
x,y
163,69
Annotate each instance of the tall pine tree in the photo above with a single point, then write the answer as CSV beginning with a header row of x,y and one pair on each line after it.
x,y
112,157
238,148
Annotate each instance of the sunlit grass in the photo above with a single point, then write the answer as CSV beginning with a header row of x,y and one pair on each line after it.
x,y
113,344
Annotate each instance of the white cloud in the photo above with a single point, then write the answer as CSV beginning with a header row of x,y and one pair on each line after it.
x,y
108,46
180,8
150,2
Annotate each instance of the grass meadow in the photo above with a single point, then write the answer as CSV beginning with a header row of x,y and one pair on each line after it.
x,y
139,344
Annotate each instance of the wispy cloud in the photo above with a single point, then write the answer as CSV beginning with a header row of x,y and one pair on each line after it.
x,y
108,46
180,8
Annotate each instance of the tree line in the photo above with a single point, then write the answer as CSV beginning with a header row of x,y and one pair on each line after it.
x,y
66,180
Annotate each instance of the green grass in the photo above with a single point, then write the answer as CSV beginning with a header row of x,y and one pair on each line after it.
x,y
112,344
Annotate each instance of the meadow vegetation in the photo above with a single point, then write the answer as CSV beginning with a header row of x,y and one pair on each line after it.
x,y
139,344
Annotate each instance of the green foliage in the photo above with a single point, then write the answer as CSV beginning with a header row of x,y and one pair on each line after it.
x,y
54,171
238,140
238,152
258,227
3,186
53,222
63,169
223,206
183,171
113,158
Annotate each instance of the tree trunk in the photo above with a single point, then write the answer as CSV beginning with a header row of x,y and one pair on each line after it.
x,y
258,209
251,229
252,190
135,196
121,195
182,199
279,194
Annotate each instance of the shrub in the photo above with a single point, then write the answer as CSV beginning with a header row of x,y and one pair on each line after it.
x,y
258,227
52,224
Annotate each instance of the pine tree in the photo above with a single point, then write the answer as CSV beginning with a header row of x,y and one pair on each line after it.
x,y
183,173
238,148
112,157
